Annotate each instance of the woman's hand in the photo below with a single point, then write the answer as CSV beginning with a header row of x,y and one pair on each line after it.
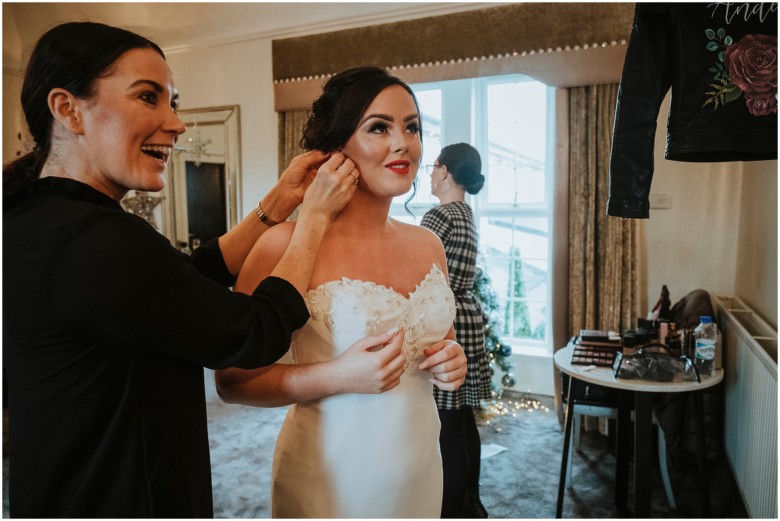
x,y
371,365
447,362
299,175
331,188
328,193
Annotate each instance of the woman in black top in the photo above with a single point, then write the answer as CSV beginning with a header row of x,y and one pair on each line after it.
x,y
455,172
106,327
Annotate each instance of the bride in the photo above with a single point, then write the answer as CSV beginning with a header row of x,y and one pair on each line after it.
x,y
362,437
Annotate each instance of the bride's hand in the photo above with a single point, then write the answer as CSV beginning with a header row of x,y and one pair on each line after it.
x,y
447,362
371,365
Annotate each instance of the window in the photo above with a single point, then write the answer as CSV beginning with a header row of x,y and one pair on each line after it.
x,y
509,120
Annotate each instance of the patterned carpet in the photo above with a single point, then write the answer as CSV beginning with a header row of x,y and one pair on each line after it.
x,y
519,482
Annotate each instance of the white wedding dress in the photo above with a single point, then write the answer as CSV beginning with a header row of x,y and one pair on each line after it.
x,y
361,455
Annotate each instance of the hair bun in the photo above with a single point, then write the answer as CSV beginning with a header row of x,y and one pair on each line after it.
x,y
475,183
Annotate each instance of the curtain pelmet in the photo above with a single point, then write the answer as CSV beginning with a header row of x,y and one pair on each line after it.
x,y
558,43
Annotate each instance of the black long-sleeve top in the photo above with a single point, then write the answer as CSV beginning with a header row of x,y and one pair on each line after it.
x,y
106,330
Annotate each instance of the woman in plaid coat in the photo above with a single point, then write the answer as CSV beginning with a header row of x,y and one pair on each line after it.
x,y
455,172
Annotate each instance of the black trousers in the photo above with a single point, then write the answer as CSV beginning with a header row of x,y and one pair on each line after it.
x,y
460,451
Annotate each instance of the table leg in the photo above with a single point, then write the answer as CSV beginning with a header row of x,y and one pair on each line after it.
x,y
623,454
701,454
566,442
643,453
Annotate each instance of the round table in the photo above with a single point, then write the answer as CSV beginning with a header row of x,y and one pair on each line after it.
x,y
642,390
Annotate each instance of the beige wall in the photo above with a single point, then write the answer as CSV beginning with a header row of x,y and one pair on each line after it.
x,y
756,277
692,245
12,84
720,233
236,74
13,123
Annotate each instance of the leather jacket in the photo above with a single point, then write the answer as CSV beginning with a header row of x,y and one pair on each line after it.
x,y
720,60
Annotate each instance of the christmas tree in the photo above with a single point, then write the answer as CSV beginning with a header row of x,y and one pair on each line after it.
x,y
498,353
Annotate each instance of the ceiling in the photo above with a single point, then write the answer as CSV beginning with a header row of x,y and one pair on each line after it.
x,y
178,26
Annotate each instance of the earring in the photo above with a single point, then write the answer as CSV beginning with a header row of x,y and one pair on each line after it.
x,y
438,183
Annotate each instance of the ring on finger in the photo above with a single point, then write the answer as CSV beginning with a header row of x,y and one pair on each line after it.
x,y
355,177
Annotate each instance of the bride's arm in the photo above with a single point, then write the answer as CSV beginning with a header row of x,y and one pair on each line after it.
x,y
445,360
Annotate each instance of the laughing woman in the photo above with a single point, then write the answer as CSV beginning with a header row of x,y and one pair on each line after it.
x,y
106,327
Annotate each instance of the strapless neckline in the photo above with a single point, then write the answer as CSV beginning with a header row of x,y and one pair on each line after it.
x,y
369,308
432,274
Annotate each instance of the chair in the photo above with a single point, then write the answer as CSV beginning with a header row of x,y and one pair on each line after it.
x,y
595,400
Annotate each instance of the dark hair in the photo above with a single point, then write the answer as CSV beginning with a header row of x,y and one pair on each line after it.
x,y
463,162
70,56
335,115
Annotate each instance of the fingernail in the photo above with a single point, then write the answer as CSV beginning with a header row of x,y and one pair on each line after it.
x,y
392,331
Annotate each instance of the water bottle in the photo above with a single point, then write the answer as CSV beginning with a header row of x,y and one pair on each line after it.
x,y
705,337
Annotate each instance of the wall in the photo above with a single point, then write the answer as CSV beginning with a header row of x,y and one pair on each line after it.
x,y
692,245
720,233
13,123
12,85
236,74
756,277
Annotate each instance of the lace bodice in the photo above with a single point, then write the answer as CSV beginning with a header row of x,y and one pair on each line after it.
x,y
372,308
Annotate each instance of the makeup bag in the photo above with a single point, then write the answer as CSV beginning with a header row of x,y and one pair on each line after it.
x,y
654,362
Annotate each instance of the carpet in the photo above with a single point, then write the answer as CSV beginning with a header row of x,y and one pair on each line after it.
x,y
518,482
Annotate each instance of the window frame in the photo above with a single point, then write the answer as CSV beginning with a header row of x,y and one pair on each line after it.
x,y
458,125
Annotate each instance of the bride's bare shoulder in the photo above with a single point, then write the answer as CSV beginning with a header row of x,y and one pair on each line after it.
x,y
414,232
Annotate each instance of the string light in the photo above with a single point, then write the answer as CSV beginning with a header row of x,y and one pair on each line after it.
x,y
499,407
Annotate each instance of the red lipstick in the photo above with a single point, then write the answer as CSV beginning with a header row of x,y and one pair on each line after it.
x,y
398,167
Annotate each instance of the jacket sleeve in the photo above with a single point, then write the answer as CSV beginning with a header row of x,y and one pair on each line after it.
x,y
118,283
646,79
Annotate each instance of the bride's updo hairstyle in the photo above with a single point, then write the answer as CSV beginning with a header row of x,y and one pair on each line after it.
x,y
71,56
464,164
336,114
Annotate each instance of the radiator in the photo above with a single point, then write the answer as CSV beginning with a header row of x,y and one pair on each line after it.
x,y
750,409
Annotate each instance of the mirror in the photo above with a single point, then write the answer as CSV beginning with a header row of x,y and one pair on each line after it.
x,y
201,198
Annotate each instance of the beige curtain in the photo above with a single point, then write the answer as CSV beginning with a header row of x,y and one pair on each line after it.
x,y
290,132
603,253
603,274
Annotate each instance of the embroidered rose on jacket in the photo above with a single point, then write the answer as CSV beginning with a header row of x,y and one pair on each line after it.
x,y
747,67
752,65
762,106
